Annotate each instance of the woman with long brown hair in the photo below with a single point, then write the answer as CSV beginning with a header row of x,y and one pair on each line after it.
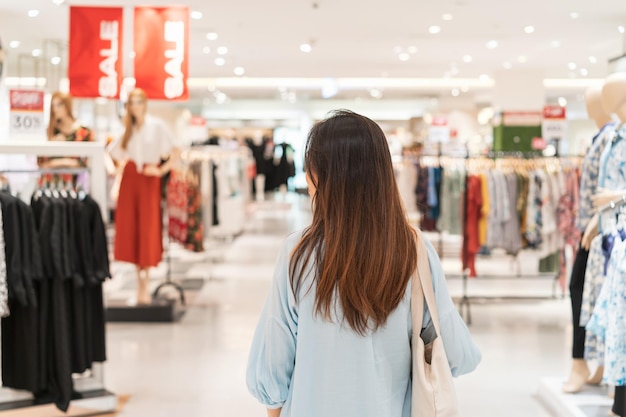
x,y
334,338
145,141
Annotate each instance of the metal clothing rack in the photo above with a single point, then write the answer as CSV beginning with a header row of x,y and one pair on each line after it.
x,y
92,385
465,301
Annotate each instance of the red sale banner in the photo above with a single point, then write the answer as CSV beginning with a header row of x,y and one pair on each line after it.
x,y
162,51
95,51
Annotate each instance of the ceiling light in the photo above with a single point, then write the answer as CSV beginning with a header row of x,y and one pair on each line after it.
x,y
467,59
620,29
239,71
36,52
212,36
55,60
433,30
404,57
221,98
492,44
507,65
33,13
593,59
555,44
206,50
584,72
222,50
572,66
14,44
562,101
455,92
306,48
447,17
412,49
574,15
522,59
529,29
376,93
58,2
219,61
197,15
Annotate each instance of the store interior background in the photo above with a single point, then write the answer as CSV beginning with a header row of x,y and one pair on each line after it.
x,y
281,65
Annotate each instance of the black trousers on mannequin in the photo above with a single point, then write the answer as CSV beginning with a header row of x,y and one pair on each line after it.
x,y
619,403
576,284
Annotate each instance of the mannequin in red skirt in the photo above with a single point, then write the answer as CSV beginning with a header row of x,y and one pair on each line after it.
x,y
138,221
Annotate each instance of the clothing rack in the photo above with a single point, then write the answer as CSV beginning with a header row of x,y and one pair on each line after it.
x,y
466,299
92,384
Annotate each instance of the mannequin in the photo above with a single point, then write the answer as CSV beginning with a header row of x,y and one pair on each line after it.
x,y
580,374
614,101
138,221
64,127
259,180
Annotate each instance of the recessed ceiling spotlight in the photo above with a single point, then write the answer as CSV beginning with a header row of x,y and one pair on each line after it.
x,y
55,60
529,29
492,44
522,59
33,13
455,92
467,59
574,15
376,93
306,48
507,65
433,30
572,66
239,71
447,17
219,61
562,101
620,29
222,50
206,50
212,36
197,15
404,56
584,72
593,59
412,49
14,44
555,44
36,52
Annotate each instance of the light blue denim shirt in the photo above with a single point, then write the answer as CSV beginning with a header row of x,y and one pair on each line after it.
x,y
311,367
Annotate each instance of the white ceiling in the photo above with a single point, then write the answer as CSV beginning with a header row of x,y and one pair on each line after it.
x,y
359,38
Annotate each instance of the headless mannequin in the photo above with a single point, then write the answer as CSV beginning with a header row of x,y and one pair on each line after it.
x,y
580,373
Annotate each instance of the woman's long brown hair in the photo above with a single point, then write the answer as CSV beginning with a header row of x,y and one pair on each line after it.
x,y
130,119
363,247
53,124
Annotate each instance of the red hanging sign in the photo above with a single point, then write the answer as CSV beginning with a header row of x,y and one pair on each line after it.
x,y
162,51
95,51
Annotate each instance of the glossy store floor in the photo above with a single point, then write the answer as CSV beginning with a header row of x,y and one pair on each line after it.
x,y
196,367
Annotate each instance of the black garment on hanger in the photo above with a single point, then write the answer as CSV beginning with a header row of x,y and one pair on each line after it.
x,y
285,168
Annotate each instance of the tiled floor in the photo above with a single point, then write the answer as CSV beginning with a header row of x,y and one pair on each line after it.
x,y
196,367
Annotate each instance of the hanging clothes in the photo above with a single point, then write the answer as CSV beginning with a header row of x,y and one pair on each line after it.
x,y
451,204
58,260
473,209
4,290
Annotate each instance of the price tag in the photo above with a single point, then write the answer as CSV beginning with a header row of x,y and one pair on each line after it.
x,y
26,116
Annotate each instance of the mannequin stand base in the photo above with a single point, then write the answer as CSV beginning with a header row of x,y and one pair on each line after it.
x,y
591,401
160,310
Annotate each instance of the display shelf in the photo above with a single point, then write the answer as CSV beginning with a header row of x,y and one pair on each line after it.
x,y
592,401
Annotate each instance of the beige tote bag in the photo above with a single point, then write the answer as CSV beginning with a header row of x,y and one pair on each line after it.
x,y
433,387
